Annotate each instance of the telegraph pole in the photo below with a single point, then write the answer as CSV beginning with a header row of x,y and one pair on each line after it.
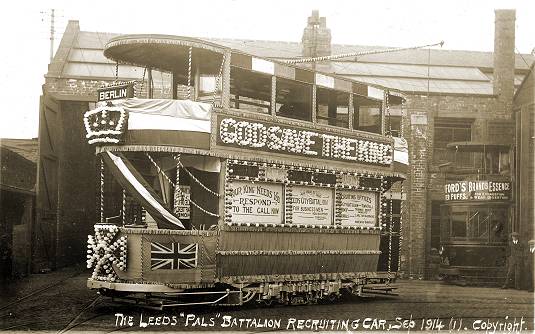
x,y
52,32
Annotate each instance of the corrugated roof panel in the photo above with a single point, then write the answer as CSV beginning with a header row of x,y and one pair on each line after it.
x,y
268,49
415,71
435,86
93,40
88,55
518,78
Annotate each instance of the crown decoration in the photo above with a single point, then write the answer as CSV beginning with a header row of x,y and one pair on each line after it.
x,y
105,124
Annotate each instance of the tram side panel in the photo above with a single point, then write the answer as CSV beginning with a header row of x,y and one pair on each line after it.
x,y
264,255
174,257
170,257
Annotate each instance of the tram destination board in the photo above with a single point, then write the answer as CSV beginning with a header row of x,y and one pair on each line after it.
x,y
115,92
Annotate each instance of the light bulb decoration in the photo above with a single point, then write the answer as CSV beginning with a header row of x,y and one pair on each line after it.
x,y
105,124
106,252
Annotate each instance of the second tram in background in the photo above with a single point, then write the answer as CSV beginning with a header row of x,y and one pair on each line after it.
x,y
476,214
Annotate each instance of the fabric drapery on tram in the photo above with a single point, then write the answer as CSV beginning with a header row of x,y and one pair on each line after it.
x,y
154,122
182,115
130,179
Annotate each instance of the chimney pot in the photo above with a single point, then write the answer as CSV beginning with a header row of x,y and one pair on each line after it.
x,y
316,37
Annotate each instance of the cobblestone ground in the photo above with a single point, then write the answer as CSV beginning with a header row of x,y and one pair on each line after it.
x,y
61,303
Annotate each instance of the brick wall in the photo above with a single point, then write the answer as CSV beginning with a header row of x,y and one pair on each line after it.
x,y
86,89
504,57
524,106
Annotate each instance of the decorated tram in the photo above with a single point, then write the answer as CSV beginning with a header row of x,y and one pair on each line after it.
x,y
227,178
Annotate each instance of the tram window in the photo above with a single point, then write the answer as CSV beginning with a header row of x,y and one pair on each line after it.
x,y
366,115
496,163
458,222
207,88
250,90
448,131
504,163
478,223
332,107
207,84
162,85
294,99
498,225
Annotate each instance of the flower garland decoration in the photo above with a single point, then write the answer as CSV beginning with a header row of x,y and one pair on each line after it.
x,y
105,124
105,250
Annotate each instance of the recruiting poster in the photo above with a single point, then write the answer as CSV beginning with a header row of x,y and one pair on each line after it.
x,y
256,202
182,206
358,208
312,205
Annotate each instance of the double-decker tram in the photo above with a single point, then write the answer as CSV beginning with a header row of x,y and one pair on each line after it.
x,y
477,213
227,178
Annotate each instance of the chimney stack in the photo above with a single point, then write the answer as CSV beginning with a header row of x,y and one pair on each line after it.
x,y
504,57
316,37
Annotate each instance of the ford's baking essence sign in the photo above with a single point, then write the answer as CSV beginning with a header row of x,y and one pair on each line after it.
x,y
477,190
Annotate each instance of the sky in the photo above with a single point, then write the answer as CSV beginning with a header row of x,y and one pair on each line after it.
x,y
463,25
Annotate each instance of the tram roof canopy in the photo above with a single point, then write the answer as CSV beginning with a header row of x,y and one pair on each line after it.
x,y
171,53
165,52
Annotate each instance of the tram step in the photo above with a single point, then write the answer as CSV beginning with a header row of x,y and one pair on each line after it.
x,y
379,289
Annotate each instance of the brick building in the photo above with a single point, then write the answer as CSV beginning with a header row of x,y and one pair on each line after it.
x,y
18,170
451,96
524,111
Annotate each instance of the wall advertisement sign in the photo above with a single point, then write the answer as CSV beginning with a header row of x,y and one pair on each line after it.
x,y
358,208
477,190
256,202
312,205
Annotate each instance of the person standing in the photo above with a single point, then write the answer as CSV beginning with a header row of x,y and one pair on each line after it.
x,y
514,261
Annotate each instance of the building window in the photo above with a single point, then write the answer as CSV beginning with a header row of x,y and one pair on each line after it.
x,y
332,107
250,90
367,114
449,131
294,99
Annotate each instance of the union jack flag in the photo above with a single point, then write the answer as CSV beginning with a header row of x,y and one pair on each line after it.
x,y
173,255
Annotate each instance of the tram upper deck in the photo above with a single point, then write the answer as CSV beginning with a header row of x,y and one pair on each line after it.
x,y
250,107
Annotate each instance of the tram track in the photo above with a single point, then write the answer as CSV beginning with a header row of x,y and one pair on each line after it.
x,y
38,291
72,323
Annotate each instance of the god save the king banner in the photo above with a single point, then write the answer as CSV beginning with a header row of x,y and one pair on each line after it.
x,y
284,139
477,190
